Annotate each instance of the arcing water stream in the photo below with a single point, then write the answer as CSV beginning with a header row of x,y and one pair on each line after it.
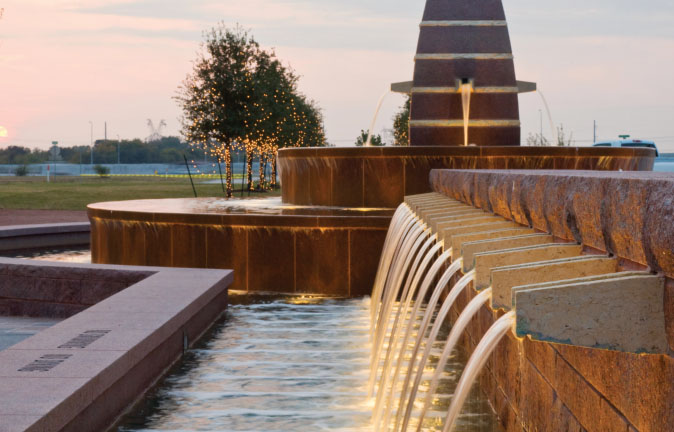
x,y
296,363
401,301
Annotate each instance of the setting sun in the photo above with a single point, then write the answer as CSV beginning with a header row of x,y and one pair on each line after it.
x,y
3,132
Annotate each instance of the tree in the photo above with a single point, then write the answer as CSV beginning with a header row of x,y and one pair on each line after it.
x,y
241,97
213,97
401,125
362,139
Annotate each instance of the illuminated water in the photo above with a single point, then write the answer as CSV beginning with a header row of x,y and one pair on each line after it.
x,y
73,255
291,364
285,364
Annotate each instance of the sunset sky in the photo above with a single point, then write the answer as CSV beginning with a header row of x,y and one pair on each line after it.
x,y
64,63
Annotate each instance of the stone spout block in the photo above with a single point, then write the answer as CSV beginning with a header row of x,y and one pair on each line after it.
x,y
446,234
486,261
467,222
457,241
503,279
434,221
468,250
620,313
421,209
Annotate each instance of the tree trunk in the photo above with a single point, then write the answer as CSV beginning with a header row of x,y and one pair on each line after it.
x,y
249,166
273,169
228,161
262,166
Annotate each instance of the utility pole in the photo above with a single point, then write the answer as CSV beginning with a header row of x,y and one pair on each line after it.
x,y
540,112
119,141
92,141
106,132
595,132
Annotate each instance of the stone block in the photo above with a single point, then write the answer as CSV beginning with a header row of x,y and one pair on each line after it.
x,y
503,279
623,313
486,261
457,241
470,249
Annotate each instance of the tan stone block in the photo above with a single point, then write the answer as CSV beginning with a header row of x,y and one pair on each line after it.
x,y
443,218
438,211
456,241
503,279
447,233
424,207
470,249
622,314
486,261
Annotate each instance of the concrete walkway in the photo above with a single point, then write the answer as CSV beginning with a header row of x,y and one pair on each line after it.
x,y
33,217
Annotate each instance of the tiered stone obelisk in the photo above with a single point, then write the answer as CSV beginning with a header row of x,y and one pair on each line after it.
x,y
461,42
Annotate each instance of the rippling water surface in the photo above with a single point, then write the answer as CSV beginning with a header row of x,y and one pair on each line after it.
x,y
283,364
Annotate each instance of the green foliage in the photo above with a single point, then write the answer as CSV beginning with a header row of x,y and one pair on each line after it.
x,y
538,140
240,95
21,171
401,125
362,139
102,171
168,150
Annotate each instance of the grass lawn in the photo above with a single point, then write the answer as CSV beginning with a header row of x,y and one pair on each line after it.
x,y
74,193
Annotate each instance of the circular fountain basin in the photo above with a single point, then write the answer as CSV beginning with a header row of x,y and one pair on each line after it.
x,y
383,176
270,245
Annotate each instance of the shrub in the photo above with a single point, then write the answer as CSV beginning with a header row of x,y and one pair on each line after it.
x,y
102,171
21,171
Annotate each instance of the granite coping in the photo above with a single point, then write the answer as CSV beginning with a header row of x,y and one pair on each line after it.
x,y
627,214
49,380
349,152
42,229
197,211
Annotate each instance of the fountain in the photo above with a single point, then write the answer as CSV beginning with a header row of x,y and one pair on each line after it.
x,y
489,251
466,89
588,284
370,132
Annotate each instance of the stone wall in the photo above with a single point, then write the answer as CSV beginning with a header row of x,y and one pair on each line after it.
x,y
58,290
555,387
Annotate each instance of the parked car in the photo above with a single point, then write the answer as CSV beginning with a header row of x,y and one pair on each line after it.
x,y
629,143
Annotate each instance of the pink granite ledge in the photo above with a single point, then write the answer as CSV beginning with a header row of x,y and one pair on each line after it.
x,y
83,373
17,237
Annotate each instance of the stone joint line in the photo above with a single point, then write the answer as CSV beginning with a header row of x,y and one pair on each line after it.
x,y
467,56
463,23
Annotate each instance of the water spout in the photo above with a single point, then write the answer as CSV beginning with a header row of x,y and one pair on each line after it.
x,y
445,279
457,330
392,292
397,330
370,132
400,224
442,314
410,232
466,90
553,129
475,365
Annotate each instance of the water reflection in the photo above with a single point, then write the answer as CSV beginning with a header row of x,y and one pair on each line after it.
x,y
284,364
73,255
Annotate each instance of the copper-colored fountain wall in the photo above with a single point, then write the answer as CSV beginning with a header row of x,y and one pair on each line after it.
x,y
451,49
554,387
286,253
380,177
